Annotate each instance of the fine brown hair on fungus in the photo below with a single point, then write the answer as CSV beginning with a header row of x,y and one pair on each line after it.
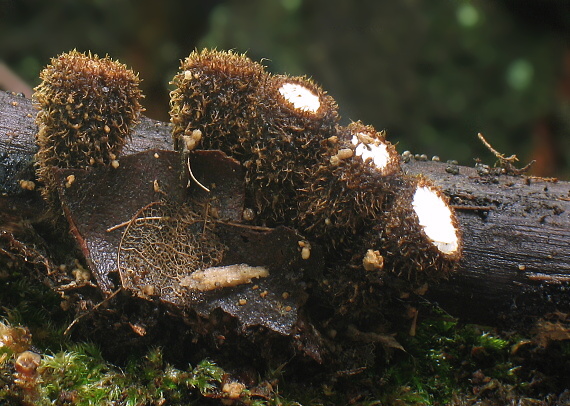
x,y
87,106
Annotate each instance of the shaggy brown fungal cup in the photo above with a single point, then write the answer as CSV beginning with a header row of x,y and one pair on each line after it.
x,y
216,94
297,117
87,106
273,125
347,192
298,111
420,236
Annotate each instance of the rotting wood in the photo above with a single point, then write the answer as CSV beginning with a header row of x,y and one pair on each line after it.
x,y
516,229
516,258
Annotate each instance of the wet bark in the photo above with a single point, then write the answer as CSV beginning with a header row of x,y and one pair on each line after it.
x,y
516,232
516,229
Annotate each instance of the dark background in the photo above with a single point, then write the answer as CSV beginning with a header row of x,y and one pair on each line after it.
x,y
432,73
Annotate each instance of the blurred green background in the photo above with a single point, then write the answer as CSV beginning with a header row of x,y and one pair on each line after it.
x,y
432,73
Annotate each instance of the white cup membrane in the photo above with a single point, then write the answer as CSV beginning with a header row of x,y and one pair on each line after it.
x,y
436,219
300,97
378,153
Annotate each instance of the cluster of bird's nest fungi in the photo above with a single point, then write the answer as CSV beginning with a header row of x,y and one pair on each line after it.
x,y
344,219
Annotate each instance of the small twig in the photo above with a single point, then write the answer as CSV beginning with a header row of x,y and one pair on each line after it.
x,y
505,162
543,179
501,157
76,320
126,223
542,277
194,178
256,228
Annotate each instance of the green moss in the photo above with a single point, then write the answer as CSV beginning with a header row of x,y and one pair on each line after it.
x,y
446,362
83,377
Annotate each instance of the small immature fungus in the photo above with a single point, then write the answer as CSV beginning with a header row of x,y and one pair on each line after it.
x,y
27,184
87,107
305,249
25,367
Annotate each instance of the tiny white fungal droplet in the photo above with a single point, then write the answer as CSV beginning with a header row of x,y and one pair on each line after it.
x,y
436,218
300,97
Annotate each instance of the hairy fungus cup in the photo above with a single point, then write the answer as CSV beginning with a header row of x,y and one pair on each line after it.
x,y
273,125
297,117
215,93
420,235
87,106
346,194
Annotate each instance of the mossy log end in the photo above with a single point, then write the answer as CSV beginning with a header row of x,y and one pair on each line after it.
x,y
516,229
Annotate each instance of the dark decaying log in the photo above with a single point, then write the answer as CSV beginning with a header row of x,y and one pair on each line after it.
x,y
516,229
516,257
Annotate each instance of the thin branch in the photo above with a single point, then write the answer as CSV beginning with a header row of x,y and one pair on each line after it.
x,y
76,320
506,162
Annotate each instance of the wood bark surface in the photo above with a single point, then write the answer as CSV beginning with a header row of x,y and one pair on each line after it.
x,y
516,229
